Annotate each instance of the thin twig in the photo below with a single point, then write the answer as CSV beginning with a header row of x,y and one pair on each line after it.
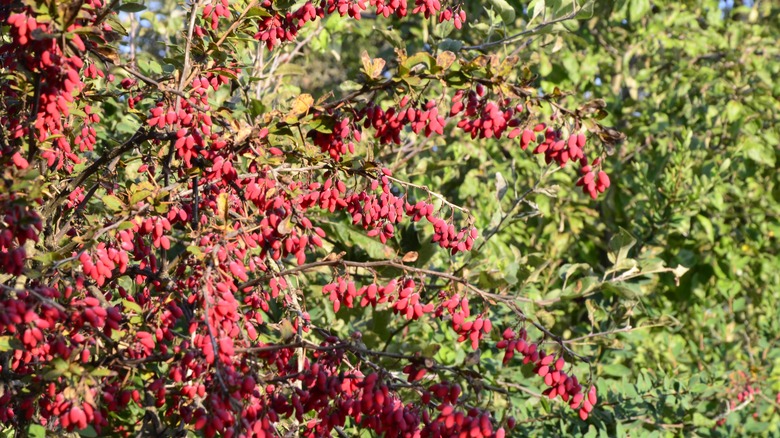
x,y
526,32
729,410
626,329
160,86
233,26
509,301
429,192
195,5
138,137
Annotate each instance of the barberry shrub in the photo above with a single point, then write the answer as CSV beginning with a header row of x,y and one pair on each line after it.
x,y
257,218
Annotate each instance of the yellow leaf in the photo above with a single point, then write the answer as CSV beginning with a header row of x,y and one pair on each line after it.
x,y
285,227
445,59
301,105
372,67
410,257
222,206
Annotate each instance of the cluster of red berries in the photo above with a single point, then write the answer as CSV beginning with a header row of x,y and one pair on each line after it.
x,y
556,148
344,292
18,225
278,27
387,209
22,316
455,14
406,300
193,127
215,10
35,49
108,259
90,311
550,369
73,416
593,183
337,142
745,394
458,309
451,422
404,296
285,230
389,124
483,118
87,137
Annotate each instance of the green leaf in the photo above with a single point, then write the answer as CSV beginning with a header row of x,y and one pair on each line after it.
x,y
616,370
756,427
284,5
353,239
505,10
101,372
392,37
586,10
538,7
450,45
347,86
510,273
545,318
760,153
257,12
417,58
706,223
501,186
443,29
639,8
131,7
619,246
36,431
567,270
194,250
113,203
623,289
139,192
733,110
58,368
88,432
700,420
8,343
131,306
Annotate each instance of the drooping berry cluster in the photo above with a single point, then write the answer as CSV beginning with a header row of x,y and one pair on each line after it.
x,y
19,224
59,80
458,309
215,10
281,26
483,118
191,122
745,394
593,183
550,369
389,124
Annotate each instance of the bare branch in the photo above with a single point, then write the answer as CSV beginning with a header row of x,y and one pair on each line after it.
x,y
519,35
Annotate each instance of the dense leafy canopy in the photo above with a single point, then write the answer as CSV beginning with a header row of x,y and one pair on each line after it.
x,y
389,218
